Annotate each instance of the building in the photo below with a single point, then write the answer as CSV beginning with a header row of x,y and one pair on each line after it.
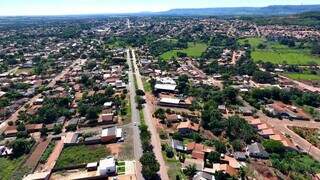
x,y
256,150
174,102
178,145
106,118
111,134
107,166
197,150
188,127
165,87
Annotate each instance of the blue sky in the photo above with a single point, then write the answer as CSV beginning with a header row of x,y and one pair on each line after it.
x,y
64,7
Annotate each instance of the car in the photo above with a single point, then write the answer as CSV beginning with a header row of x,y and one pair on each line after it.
x,y
135,123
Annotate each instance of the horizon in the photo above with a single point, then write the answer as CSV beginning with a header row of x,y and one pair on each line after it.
x,y
100,7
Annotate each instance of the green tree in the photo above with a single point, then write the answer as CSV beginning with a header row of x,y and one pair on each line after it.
x,y
150,165
213,157
273,146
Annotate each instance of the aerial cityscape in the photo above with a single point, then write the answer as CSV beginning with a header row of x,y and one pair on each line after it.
x,y
159,90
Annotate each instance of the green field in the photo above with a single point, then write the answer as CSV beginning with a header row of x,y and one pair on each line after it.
x,y
193,50
76,155
279,54
303,77
9,166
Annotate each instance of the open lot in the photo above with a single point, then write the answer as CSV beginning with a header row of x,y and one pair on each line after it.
x,y
76,155
312,135
279,54
193,50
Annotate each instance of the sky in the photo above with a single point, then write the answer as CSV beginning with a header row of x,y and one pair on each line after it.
x,y
68,7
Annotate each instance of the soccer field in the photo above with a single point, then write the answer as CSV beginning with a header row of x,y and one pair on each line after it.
x,y
193,50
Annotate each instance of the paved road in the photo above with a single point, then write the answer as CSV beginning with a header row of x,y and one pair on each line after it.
x,y
135,118
14,116
155,139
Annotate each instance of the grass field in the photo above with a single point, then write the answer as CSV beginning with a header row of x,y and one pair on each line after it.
x,y
303,77
278,54
9,166
76,155
193,50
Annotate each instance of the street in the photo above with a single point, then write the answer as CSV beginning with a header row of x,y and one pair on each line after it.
x,y
135,118
155,139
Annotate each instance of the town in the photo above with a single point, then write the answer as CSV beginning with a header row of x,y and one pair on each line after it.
x,y
99,97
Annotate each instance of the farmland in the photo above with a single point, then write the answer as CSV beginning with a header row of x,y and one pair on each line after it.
x,y
193,50
279,54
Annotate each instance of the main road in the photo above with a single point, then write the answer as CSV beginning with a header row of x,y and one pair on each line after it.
x,y
155,139
135,118
14,116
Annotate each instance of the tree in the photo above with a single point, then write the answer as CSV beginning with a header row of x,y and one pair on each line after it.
x,y
57,129
20,147
150,165
213,157
183,84
43,131
273,146
139,92
190,170
92,113
263,77
109,92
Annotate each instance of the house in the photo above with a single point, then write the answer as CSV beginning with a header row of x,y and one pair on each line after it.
x,y
222,109
106,118
199,164
107,104
267,132
107,166
31,128
280,109
256,150
111,134
240,156
10,131
246,111
178,145
197,150
188,127
92,166
71,138
203,176
173,118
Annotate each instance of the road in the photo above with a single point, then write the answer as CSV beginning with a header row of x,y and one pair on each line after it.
x,y
14,116
155,139
135,118
302,85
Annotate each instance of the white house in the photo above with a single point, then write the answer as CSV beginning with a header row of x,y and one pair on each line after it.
x,y
107,166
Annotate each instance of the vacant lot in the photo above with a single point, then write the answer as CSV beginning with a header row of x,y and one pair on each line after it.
x,y
279,54
76,155
9,166
310,134
193,50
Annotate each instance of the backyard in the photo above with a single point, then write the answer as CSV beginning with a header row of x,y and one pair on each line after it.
x,y
76,155
193,50
279,54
